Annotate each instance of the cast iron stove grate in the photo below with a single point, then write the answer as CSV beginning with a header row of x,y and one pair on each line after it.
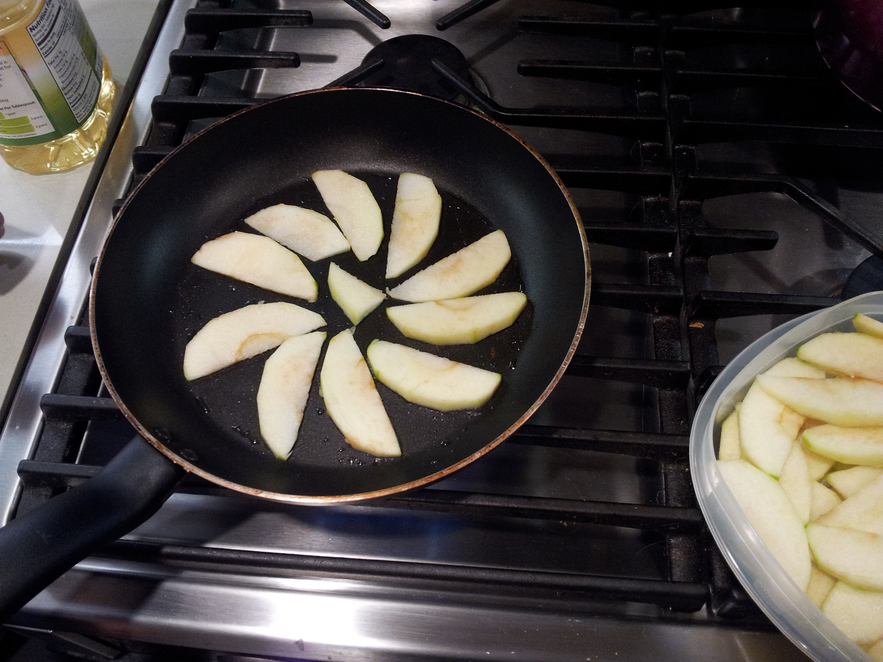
x,y
647,555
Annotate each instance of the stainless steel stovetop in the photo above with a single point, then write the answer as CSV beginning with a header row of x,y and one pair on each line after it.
x,y
518,556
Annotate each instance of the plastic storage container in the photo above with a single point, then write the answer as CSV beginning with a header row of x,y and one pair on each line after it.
x,y
766,581
56,89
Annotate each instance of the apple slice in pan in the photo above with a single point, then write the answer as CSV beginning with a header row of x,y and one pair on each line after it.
x,y
352,400
243,333
355,297
460,274
854,556
306,232
771,514
430,380
868,325
845,354
354,208
839,400
284,389
458,321
414,223
255,259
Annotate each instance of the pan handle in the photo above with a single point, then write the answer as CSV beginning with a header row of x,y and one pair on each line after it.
x,y
40,545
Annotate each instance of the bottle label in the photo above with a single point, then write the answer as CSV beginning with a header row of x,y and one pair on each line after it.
x,y
50,75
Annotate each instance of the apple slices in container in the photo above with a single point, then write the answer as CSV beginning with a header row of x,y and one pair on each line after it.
x,y
838,610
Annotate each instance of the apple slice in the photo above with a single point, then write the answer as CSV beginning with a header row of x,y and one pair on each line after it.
x,y
458,321
845,354
849,481
820,584
857,612
304,231
839,400
729,443
794,367
355,298
853,556
284,389
875,652
868,325
352,400
824,499
430,380
796,483
818,465
771,514
414,223
764,442
258,260
862,511
862,446
354,208
243,333
460,274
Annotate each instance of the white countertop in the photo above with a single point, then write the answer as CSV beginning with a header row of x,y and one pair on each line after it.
x,y
39,208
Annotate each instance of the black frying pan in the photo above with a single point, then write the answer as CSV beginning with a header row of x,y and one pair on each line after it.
x,y
148,300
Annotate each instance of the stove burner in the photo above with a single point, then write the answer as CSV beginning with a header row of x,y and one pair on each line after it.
x,y
407,65
866,277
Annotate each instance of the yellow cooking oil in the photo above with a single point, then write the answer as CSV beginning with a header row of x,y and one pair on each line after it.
x,y
56,88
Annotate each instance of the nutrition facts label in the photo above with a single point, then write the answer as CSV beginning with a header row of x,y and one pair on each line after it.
x,y
63,39
21,115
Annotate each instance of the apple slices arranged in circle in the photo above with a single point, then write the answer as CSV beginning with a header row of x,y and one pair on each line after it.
x,y
260,261
441,312
815,423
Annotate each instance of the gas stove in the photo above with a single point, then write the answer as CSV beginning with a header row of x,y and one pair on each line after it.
x,y
727,183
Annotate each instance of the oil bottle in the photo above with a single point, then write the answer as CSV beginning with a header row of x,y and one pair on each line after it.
x,y
56,89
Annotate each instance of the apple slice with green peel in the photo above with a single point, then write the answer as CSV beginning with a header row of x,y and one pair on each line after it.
x,y
845,354
354,208
868,325
862,511
820,584
771,515
849,481
862,446
839,400
255,259
430,380
460,274
857,612
794,367
824,500
796,483
458,321
729,443
243,333
284,389
304,231
414,223
355,297
764,441
854,556
352,400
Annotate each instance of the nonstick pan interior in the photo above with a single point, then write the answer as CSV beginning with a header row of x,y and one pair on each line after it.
x,y
148,299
